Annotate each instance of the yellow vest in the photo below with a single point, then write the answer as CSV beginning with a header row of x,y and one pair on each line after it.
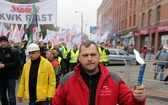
x,y
65,53
59,59
50,48
74,56
103,55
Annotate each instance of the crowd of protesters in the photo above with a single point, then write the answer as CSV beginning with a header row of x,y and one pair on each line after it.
x,y
40,67
17,60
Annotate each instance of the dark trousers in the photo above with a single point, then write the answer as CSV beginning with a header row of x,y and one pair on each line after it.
x,y
33,102
8,85
66,68
71,66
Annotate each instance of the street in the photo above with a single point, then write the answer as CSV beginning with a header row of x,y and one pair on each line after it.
x,y
154,86
151,101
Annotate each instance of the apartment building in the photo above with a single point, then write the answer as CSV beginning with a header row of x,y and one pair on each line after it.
x,y
137,22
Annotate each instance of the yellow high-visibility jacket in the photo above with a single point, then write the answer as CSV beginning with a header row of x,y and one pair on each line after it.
x,y
65,53
103,55
74,56
45,81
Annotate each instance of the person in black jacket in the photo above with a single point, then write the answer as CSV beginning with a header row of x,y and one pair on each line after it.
x,y
9,61
42,49
23,54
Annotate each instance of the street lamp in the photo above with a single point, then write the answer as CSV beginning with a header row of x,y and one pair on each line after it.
x,y
81,21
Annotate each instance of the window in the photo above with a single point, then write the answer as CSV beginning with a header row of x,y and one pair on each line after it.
x,y
113,52
130,3
123,8
144,0
126,5
134,2
150,17
125,23
158,13
121,52
130,21
143,19
122,24
134,20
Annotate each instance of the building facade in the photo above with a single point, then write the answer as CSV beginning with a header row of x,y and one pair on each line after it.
x,y
137,22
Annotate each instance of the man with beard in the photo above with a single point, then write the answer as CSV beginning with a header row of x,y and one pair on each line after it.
x,y
92,84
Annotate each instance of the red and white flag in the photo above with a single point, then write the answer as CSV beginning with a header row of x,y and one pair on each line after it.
x,y
3,30
22,30
104,37
16,34
68,37
98,29
11,30
73,31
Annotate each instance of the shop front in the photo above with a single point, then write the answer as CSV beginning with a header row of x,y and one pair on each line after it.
x,y
141,38
127,38
162,36
114,38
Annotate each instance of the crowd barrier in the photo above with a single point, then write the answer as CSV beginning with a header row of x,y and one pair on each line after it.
x,y
129,73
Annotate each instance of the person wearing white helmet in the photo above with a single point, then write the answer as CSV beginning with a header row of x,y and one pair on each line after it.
x,y
37,83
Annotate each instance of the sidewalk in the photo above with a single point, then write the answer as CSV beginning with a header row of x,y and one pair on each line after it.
x,y
154,88
158,89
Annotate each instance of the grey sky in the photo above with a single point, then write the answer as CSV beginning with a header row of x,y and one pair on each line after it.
x,y
67,18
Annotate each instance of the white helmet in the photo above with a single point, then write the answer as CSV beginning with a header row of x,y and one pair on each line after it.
x,y
33,47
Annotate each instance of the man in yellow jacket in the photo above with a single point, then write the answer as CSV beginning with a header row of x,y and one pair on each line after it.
x,y
37,83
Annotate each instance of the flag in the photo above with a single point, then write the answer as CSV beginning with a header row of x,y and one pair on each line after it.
x,y
3,30
68,37
11,29
59,34
98,28
22,30
104,37
73,31
41,38
36,33
62,36
31,27
51,36
16,34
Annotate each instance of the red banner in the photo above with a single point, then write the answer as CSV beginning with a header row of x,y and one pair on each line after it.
x,y
162,28
144,32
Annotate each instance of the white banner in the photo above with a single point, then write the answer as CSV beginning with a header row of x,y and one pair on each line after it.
x,y
20,13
